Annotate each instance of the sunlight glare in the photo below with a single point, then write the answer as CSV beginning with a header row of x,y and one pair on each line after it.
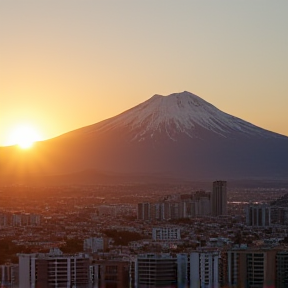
x,y
24,136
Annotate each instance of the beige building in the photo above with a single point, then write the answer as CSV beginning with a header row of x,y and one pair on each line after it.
x,y
251,268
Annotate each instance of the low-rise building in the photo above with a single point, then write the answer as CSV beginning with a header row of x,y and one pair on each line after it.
x,y
166,233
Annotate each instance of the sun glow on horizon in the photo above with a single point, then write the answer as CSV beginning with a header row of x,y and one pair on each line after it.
x,y
24,136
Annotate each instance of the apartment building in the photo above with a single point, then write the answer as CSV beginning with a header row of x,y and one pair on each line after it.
x,y
53,269
258,215
155,270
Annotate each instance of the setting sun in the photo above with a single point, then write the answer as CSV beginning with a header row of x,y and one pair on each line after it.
x,y
24,136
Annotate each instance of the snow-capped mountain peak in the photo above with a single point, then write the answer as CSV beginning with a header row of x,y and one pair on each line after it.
x,y
173,114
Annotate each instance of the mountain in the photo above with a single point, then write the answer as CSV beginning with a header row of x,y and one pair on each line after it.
x,y
179,135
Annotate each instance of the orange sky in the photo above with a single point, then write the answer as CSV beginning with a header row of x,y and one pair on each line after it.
x,y
66,64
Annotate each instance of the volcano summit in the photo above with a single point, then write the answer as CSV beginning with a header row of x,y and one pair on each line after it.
x,y
179,135
176,114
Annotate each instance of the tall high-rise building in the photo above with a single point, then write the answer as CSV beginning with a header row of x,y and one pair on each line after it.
x,y
157,211
219,198
144,211
258,215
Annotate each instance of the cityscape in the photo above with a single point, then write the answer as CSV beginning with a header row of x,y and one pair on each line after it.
x,y
119,236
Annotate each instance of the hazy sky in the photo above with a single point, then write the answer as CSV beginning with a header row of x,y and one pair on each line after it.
x,y
65,64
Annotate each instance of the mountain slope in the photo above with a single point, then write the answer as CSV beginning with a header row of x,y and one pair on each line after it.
x,y
179,135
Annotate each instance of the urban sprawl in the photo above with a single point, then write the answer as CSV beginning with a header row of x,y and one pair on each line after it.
x,y
140,236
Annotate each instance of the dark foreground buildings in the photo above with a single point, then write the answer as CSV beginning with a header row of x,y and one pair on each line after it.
x,y
202,268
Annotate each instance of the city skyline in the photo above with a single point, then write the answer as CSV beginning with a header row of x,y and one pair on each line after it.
x,y
70,64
